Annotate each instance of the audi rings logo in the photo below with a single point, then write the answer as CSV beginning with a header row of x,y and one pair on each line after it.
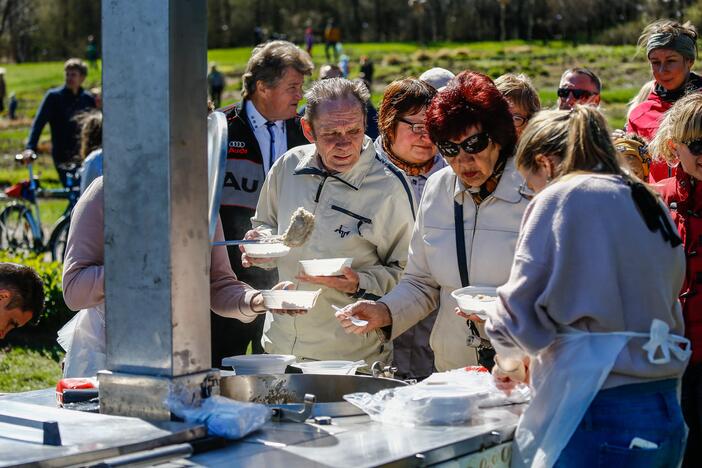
x,y
237,144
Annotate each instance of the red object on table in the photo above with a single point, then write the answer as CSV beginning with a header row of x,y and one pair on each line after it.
x,y
73,384
476,369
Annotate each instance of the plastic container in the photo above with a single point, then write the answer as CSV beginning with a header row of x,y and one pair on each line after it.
x,y
478,300
421,405
326,266
264,250
330,367
284,299
443,404
259,363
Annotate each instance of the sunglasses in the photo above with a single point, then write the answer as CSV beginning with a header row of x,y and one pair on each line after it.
x,y
471,145
695,146
418,128
563,93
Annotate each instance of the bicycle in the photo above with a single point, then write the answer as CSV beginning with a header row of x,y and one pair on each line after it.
x,y
20,221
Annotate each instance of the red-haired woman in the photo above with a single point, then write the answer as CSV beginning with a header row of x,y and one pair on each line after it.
x,y
467,222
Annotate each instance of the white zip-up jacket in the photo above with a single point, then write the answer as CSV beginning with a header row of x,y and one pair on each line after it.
x,y
365,213
431,275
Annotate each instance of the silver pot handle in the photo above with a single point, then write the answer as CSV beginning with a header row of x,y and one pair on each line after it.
x,y
284,414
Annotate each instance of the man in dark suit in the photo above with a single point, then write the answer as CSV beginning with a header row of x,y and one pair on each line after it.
x,y
261,128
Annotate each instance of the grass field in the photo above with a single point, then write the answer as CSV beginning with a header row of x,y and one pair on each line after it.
x,y
33,363
24,368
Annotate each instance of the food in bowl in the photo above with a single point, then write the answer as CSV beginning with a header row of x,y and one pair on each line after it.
x,y
477,300
300,228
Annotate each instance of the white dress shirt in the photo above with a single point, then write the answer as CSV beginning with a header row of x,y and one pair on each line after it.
x,y
258,124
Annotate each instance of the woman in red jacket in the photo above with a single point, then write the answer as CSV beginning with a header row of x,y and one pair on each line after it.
x,y
671,49
679,142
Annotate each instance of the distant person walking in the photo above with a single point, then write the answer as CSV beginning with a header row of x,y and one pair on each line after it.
x,y
91,52
58,108
216,82
3,89
332,36
309,37
12,107
367,69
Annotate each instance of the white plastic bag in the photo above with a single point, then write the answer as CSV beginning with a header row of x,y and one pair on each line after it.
x,y
223,417
419,405
83,338
446,398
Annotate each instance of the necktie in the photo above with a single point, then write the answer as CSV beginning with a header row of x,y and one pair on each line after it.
x,y
271,147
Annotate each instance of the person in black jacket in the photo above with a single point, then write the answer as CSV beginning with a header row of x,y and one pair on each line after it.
x,y
261,128
58,109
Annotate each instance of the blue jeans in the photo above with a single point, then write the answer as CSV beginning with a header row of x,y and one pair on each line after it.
x,y
649,411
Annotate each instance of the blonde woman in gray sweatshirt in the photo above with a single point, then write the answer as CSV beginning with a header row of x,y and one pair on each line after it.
x,y
591,306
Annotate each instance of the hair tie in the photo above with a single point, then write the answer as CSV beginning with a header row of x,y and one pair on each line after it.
x,y
681,43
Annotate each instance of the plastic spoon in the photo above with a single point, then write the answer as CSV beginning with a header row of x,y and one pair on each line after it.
x,y
355,320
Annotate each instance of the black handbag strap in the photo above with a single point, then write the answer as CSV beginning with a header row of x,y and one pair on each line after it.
x,y
485,355
460,243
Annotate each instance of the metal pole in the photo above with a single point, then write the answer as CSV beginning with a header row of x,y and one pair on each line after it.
x,y
156,229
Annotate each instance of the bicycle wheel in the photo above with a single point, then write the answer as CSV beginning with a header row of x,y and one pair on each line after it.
x,y
59,236
16,230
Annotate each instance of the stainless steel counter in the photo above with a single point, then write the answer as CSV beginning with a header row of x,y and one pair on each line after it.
x,y
349,441
357,441
85,436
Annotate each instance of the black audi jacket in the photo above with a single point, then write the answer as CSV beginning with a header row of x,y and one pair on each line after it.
x,y
243,180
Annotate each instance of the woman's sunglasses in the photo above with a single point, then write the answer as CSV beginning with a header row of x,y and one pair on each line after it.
x,y
471,145
695,146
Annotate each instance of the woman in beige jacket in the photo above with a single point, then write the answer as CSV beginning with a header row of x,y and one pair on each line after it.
x,y
471,124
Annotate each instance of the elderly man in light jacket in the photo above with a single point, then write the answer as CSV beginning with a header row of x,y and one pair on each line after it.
x,y
363,209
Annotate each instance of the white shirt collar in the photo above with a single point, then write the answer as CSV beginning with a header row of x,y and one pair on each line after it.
x,y
257,120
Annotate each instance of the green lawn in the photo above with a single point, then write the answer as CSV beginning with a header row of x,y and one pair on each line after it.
x,y
622,72
24,368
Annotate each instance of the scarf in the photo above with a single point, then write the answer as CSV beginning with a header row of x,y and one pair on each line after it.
x,y
693,83
411,169
490,184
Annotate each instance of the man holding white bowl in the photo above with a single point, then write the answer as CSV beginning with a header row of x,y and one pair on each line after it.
x,y
363,211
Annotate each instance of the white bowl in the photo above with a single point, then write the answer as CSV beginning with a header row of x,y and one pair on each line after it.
x,y
272,250
283,299
259,363
326,266
478,300
329,367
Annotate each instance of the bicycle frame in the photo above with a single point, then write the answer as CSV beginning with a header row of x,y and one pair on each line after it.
x,y
35,221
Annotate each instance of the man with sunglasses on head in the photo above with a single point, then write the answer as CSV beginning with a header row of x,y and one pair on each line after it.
x,y
578,86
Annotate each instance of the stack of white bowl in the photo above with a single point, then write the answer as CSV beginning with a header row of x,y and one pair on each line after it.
x,y
259,363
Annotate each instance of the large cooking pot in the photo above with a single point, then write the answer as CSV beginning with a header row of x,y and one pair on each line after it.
x,y
288,391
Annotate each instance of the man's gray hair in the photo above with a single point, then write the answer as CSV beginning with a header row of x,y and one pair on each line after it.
x,y
335,89
587,72
268,63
